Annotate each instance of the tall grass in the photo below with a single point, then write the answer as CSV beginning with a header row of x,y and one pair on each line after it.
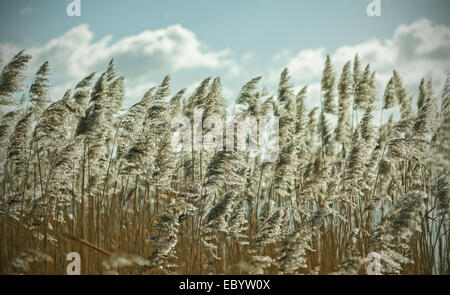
x,y
83,175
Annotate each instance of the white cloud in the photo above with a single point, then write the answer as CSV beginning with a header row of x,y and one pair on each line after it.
x,y
247,56
171,49
306,64
416,50
75,54
26,10
282,55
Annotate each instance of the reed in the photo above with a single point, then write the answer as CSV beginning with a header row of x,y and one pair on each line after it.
x,y
107,185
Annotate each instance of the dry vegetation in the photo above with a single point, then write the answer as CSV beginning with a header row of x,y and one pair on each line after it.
x,y
81,174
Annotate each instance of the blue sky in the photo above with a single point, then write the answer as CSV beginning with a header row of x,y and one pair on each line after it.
x,y
236,40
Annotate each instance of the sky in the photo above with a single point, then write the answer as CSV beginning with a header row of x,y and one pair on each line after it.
x,y
236,40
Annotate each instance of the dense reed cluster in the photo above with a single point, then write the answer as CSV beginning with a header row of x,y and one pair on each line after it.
x,y
83,174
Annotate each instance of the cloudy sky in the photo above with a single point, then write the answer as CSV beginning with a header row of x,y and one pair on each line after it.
x,y
234,39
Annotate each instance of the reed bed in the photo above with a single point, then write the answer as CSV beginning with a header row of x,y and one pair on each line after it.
x,y
82,174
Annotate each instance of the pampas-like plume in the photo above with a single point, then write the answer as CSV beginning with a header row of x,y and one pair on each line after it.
x,y
95,118
154,142
106,99
292,254
293,250
111,71
226,168
274,229
301,133
363,91
19,144
167,226
267,104
7,123
328,87
197,99
301,111
157,112
286,109
266,211
286,163
415,142
271,231
116,91
367,128
115,87
442,136
217,217
343,129
238,223
213,107
11,77
49,133
214,101
284,167
151,156
389,95
372,88
285,92
391,238
408,148
82,94
325,134
402,96
311,127
39,89
354,166
216,220
164,164
445,108
176,102
248,98
59,187
423,123
132,124
423,95
369,175
443,194
356,73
